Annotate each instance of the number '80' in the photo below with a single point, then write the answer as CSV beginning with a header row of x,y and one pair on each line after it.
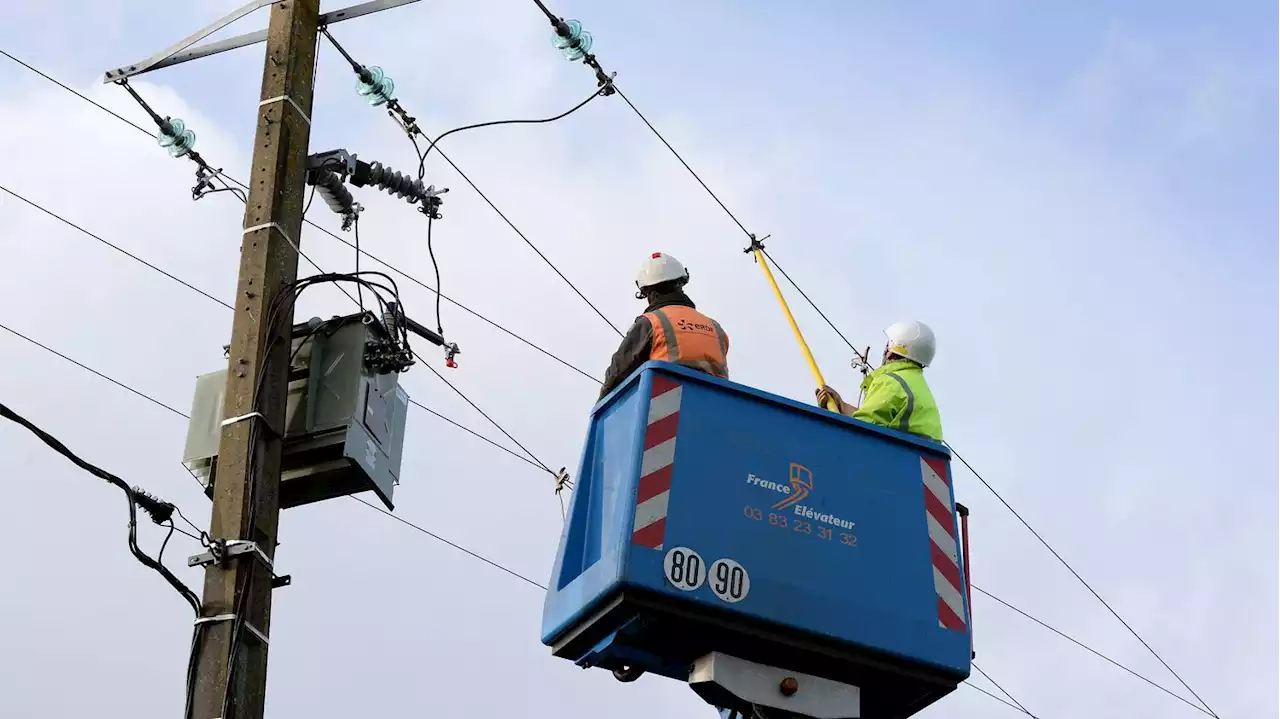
x,y
684,568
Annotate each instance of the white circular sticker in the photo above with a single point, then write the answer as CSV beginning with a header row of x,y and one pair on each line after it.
x,y
684,568
729,581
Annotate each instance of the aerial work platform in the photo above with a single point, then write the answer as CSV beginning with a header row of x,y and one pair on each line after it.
x,y
773,554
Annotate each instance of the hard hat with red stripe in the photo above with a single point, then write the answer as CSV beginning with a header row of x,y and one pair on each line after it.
x,y
659,268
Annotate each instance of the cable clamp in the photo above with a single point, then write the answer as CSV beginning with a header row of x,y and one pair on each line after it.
x,y
562,480
606,83
756,245
215,618
220,550
290,100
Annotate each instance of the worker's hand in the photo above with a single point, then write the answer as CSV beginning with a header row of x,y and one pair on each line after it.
x,y
826,396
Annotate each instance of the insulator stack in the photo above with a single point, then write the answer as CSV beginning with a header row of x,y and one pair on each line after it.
x,y
394,183
329,186
176,138
571,40
375,86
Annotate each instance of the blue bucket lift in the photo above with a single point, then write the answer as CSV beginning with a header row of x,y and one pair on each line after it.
x,y
780,558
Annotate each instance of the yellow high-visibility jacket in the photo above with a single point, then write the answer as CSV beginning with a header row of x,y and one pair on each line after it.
x,y
896,396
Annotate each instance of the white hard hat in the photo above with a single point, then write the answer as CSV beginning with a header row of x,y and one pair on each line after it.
x,y
913,340
660,268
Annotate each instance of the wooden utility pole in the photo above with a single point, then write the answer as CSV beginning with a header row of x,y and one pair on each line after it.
x,y
231,665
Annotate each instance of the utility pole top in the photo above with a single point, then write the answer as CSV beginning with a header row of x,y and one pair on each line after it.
x,y
182,51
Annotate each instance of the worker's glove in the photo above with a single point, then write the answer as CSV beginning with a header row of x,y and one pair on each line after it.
x,y
826,396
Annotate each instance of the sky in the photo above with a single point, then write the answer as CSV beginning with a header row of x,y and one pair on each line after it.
x,y
1079,198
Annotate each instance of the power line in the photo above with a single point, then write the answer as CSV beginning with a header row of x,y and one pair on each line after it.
x,y
117,248
526,459
535,461
358,499
184,415
131,123
583,297
325,231
484,414
821,314
534,247
696,176
85,367
1076,574
966,464
1086,647
158,509
1005,702
456,546
1002,689
477,435
410,126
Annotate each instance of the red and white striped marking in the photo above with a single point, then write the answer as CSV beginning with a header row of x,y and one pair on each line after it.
x,y
654,490
945,552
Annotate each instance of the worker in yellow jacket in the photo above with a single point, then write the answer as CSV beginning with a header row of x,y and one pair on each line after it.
x,y
896,394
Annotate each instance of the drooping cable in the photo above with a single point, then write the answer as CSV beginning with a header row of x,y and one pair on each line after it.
x,y
422,156
444,418
1086,647
736,221
1081,579
492,421
528,242
117,248
380,91
1005,702
313,224
679,157
130,493
435,266
87,368
197,637
391,267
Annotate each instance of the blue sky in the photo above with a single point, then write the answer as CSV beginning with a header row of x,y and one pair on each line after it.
x,y
1080,199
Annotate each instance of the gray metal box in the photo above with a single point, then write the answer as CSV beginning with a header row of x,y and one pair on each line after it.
x,y
344,423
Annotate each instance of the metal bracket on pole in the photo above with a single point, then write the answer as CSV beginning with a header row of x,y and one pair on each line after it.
x,y
221,551
224,550
183,52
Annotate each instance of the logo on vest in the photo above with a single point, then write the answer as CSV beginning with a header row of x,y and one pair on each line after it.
x,y
690,326
798,487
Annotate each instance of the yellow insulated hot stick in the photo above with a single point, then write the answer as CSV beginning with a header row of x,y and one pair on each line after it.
x,y
758,250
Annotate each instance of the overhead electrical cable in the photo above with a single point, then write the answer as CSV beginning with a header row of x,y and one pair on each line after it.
x,y
380,90
323,230
521,234
517,455
159,510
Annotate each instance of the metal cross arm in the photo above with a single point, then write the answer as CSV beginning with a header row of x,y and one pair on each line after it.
x,y
182,51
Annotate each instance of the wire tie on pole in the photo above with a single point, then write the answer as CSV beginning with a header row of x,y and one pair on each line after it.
x,y
266,225
252,415
291,101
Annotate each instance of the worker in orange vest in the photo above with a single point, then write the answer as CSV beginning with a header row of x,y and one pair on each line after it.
x,y
670,329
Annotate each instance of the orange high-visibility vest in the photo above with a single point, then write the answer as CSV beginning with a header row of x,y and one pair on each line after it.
x,y
686,336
